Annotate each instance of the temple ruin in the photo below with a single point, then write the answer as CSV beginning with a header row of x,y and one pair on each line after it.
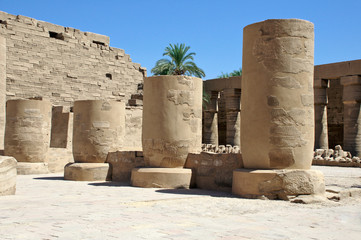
x,y
75,102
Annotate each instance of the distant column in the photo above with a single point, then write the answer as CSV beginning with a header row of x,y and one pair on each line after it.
x,y
352,115
321,100
2,89
233,115
210,129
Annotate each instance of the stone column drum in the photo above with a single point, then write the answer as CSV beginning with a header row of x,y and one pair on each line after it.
x,y
210,125
172,120
2,89
98,129
27,134
321,100
352,114
172,128
233,115
277,110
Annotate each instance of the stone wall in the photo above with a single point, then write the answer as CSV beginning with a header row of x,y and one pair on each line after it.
x,y
64,64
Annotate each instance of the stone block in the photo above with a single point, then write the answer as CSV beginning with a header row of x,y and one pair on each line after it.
x,y
7,175
29,168
122,163
213,171
87,172
277,184
161,177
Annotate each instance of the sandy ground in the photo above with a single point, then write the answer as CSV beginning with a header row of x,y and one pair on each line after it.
x,y
47,207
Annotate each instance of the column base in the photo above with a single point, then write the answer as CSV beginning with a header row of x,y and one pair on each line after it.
x,y
277,184
161,177
29,168
87,172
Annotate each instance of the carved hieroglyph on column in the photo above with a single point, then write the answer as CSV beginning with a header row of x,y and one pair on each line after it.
x,y
2,89
352,114
277,101
277,111
321,100
210,126
98,129
172,119
27,132
233,116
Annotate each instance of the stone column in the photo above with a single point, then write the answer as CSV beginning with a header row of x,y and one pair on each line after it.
x,y
2,89
352,114
321,100
210,125
98,129
277,111
27,134
233,115
172,128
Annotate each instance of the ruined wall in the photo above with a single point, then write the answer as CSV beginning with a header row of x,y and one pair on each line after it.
x,y
64,64
335,113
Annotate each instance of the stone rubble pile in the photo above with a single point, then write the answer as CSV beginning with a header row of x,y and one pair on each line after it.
x,y
211,148
337,157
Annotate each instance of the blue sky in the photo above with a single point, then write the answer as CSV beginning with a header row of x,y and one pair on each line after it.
x,y
213,29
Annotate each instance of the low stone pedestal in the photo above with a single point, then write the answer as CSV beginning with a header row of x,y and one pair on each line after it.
x,y
277,184
29,168
7,175
87,172
161,177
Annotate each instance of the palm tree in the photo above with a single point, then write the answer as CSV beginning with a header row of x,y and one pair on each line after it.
x,y
232,74
181,62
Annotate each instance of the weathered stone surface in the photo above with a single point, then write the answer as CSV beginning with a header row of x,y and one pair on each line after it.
x,y
27,133
277,94
2,89
58,158
277,184
213,171
123,162
161,177
26,168
99,128
7,175
87,172
172,119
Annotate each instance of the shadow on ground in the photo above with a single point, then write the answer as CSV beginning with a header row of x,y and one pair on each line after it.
x,y
110,184
49,178
195,191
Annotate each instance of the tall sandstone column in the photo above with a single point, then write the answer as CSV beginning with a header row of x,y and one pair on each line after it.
x,y
321,100
352,114
233,116
2,89
277,111
98,129
172,128
210,132
27,134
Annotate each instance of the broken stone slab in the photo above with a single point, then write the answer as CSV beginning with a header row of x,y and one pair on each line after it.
x,y
87,172
7,175
277,184
161,177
